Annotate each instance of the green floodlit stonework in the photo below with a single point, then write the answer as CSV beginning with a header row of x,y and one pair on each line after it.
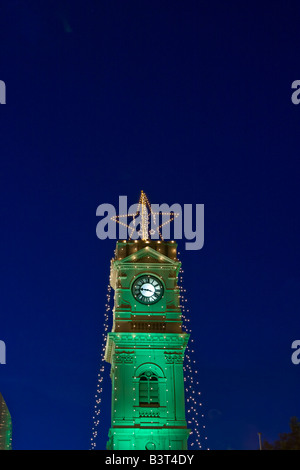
x,y
146,349
5,426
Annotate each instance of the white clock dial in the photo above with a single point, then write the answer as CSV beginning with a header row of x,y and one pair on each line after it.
x,y
147,289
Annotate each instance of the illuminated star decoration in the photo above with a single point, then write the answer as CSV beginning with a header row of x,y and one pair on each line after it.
x,y
144,212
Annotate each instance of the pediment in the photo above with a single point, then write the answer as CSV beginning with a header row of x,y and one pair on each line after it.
x,y
147,255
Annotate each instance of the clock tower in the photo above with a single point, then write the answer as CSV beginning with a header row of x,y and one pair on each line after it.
x,y
146,348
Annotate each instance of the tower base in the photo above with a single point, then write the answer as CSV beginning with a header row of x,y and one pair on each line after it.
x,y
148,439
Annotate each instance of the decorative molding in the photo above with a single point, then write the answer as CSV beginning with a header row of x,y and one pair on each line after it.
x,y
173,358
165,338
149,414
123,357
150,366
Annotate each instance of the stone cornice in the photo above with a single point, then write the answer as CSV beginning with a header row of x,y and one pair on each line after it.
x,y
165,341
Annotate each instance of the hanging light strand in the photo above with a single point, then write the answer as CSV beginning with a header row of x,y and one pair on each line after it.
x,y
101,375
194,413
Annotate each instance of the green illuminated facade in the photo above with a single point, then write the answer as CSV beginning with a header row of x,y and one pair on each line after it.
x,y
5,426
146,349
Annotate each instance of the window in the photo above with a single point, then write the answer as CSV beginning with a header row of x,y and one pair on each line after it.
x,y
148,389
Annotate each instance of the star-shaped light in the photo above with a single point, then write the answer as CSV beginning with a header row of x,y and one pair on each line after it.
x,y
145,212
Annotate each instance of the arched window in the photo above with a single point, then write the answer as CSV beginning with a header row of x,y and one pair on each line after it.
x,y
148,389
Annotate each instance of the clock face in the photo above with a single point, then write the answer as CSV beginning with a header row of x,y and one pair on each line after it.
x,y
147,289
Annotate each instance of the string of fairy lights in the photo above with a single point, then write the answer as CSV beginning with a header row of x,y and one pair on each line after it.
x,y
101,373
194,412
194,407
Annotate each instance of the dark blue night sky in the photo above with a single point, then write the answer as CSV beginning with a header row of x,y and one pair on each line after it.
x,y
191,102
